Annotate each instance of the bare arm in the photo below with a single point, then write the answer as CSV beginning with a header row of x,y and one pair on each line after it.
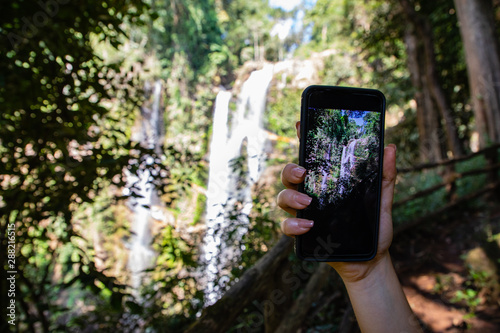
x,y
379,302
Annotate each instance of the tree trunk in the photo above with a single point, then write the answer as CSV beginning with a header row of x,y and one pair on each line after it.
x,y
439,97
482,54
427,119
434,98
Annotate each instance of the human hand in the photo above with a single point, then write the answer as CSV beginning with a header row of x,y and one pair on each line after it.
x,y
291,200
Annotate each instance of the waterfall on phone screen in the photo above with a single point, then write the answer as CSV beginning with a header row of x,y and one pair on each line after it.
x,y
346,165
229,197
325,176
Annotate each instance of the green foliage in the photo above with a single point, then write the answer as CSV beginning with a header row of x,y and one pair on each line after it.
x,y
328,19
61,144
201,201
169,299
471,299
283,110
245,25
471,184
187,39
338,70
189,30
263,231
411,184
406,138
470,295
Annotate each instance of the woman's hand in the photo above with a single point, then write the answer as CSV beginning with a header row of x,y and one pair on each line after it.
x,y
376,296
291,200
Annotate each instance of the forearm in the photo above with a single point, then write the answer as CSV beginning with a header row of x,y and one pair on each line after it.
x,y
379,302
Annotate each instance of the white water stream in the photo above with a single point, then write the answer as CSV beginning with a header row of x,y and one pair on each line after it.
x,y
224,197
141,255
347,163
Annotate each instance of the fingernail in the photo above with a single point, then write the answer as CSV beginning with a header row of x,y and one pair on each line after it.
x,y
303,199
305,223
298,172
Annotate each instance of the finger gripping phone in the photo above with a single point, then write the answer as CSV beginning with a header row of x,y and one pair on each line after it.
x,y
341,148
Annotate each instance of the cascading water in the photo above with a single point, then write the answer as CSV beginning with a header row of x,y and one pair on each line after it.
x,y
141,255
224,195
325,176
347,163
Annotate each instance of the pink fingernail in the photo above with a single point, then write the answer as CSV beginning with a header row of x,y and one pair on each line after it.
x,y
298,172
305,223
303,199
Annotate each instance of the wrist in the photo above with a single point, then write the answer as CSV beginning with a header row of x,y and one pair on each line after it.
x,y
365,274
377,298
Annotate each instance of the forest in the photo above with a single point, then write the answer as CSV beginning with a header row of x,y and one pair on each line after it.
x,y
142,142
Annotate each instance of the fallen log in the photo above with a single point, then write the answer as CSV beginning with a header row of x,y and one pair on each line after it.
x,y
220,316
296,315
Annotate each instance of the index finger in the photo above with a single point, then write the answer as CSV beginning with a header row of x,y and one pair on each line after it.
x,y
292,175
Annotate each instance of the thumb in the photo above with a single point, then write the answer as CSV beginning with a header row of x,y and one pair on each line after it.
x,y
389,174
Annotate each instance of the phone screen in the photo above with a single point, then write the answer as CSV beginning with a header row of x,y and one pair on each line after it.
x,y
341,149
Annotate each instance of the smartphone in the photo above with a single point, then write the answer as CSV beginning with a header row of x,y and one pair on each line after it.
x,y
341,148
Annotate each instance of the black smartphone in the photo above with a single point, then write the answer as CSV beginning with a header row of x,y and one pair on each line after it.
x,y
341,148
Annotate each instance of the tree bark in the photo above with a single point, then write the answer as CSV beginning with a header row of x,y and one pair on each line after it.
x,y
482,54
296,315
437,93
427,119
422,64
277,298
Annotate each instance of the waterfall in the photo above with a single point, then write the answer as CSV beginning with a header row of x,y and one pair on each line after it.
x,y
224,195
325,173
141,255
347,163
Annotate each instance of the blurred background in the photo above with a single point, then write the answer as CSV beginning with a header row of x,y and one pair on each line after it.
x,y
141,145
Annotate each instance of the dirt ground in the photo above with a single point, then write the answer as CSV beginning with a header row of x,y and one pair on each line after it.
x,y
450,271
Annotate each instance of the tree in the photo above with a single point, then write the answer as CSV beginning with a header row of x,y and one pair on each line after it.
x,y
61,144
430,95
482,52
413,50
187,40
245,26
325,16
